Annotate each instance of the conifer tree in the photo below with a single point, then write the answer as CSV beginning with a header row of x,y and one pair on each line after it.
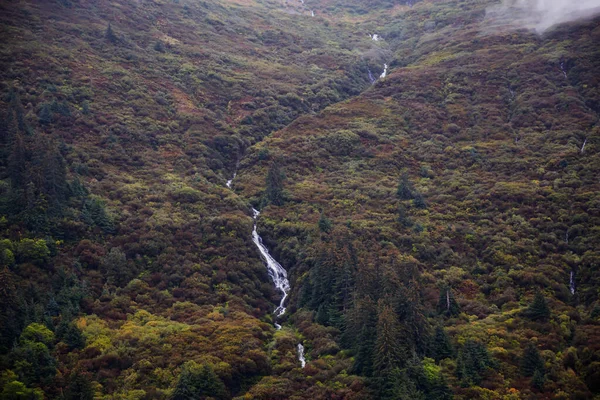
x,y
531,361
388,351
441,346
404,191
419,201
274,191
109,34
473,362
80,387
538,310
447,304
198,382
324,223
538,380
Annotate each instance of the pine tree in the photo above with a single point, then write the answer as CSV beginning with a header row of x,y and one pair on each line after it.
x,y
441,346
419,201
109,34
538,380
45,115
531,361
538,310
274,191
388,351
362,331
404,191
80,387
403,218
473,362
447,304
198,382
324,223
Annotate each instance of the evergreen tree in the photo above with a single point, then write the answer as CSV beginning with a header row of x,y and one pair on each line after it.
x,y
274,191
362,331
322,316
538,310
447,304
403,218
45,115
419,201
324,223
405,190
80,387
70,334
538,380
198,382
531,361
109,34
441,347
388,351
473,362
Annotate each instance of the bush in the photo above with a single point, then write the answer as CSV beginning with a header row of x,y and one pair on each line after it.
x,y
33,250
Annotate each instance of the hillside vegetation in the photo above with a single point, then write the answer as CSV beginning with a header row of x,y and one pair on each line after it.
x,y
440,226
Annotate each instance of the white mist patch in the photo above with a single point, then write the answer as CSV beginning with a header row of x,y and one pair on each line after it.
x,y
538,15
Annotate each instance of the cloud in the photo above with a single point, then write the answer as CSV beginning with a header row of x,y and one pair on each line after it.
x,y
539,15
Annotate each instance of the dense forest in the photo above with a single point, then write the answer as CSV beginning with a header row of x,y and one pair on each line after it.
x,y
424,174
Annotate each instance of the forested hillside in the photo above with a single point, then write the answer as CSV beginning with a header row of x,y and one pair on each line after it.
x,y
426,173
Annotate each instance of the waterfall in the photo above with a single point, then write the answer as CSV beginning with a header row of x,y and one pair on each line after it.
x,y
312,13
384,73
301,355
276,272
572,282
371,78
229,182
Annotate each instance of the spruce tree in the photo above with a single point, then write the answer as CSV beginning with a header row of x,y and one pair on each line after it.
x,y
531,361
388,350
419,201
80,387
324,223
538,380
109,34
441,347
198,382
404,191
538,310
473,362
447,304
274,190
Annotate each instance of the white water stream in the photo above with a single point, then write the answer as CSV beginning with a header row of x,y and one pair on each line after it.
x,y
276,272
278,275
384,73
301,355
229,182
572,282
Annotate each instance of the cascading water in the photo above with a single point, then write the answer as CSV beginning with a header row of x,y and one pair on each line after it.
x,y
301,355
278,275
371,77
572,282
276,272
562,68
384,73
229,182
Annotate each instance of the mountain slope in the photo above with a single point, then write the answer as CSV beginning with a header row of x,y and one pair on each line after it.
x,y
439,227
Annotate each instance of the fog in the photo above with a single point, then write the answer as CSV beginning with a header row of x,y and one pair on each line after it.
x,y
539,15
